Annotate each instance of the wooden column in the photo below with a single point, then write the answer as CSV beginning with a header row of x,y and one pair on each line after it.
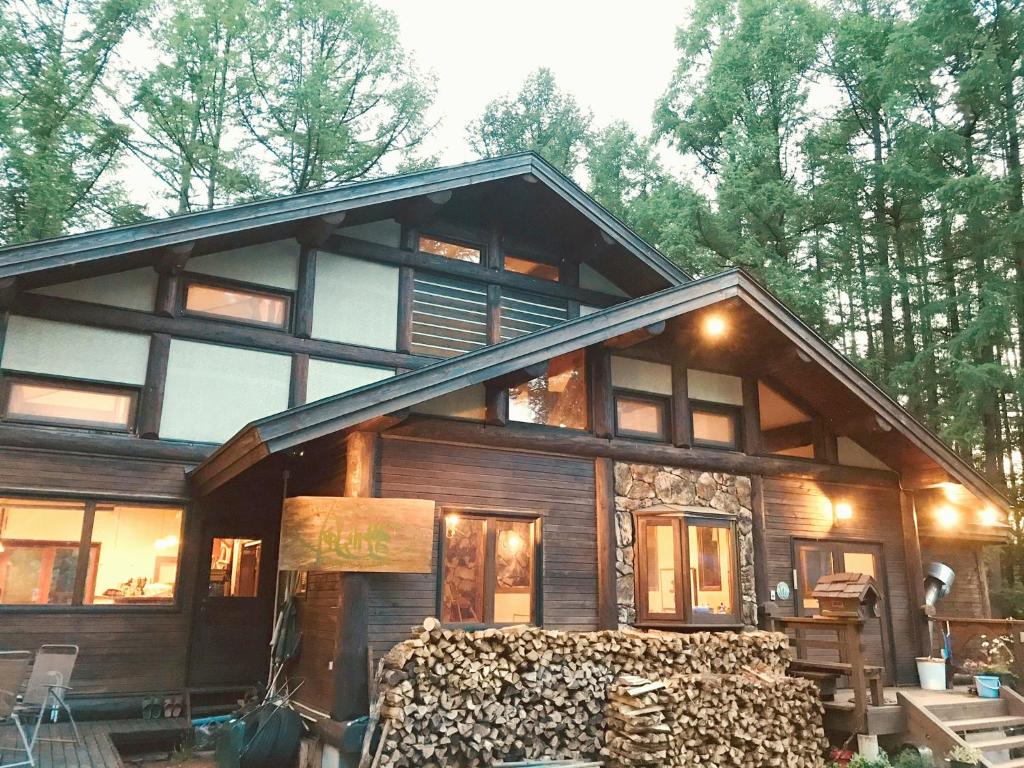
x,y
406,297
602,406
497,406
151,404
351,655
759,533
607,587
493,314
297,391
682,429
915,571
169,266
305,291
751,416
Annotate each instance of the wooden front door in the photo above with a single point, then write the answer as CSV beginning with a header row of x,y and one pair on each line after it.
x,y
233,606
814,559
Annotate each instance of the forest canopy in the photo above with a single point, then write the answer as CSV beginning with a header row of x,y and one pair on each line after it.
x,y
861,159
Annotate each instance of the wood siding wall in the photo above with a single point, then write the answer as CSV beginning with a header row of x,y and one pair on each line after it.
x,y
796,509
559,489
969,596
120,651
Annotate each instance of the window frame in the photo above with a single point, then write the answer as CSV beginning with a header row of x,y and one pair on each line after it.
x,y
8,377
734,412
557,279
684,614
188,279
490,584
459,242
663,401
587,393
85,546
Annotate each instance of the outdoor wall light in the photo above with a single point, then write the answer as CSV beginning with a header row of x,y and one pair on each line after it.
x,y
841,511
947,516
715,326
989,516
451,522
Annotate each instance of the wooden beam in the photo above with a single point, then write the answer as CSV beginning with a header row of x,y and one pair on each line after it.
x,y
351,663
622,449
523,375
406,298
602,405
789,436
298,388
202,329
682,427
607,588
752,438
493,314
313,233
399,257
915,572
924,477
304,292
96,444
633,338
8,290
759,533
152,401
496,406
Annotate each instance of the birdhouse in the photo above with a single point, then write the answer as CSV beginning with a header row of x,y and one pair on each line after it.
x,y
852,595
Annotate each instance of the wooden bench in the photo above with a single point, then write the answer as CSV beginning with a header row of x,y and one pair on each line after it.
x,y
836,669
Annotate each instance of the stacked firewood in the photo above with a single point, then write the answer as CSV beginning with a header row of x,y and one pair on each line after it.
x,y
457,698
746,720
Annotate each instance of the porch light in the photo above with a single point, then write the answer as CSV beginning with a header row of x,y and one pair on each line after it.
x,y
989,516
451,522
947,516
715,326
842,511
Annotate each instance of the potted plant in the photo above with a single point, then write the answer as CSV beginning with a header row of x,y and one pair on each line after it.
x,y
963,756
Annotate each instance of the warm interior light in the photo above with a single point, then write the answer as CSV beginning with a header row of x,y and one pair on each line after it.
x,y
514,542
953,491
947,516
714,326
843,511
989,516
166,543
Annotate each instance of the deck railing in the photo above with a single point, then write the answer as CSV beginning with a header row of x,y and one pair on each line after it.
x,y
968,635
844,638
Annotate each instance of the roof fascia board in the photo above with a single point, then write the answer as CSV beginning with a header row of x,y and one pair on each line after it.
x,y
160,233
821,352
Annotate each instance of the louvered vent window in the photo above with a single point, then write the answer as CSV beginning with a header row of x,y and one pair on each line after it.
x,y
523,312
449,316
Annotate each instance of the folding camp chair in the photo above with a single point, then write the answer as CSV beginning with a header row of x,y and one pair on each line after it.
x,y
13,671
47,687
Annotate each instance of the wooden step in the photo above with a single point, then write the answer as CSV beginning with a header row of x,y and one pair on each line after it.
x,y
969,709
985,723
993,745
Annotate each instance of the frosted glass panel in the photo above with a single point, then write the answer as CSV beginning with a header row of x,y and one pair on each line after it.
x,y
213,391
641,375
327,378
355,301
76,351
275,264
134,289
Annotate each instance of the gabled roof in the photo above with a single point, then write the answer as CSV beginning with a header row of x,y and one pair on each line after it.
x,y
177,230
300,425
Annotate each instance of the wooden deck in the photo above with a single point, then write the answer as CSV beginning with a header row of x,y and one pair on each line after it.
x,y
890,718
96,750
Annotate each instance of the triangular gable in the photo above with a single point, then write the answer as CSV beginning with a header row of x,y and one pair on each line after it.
x,y
151,236
300,425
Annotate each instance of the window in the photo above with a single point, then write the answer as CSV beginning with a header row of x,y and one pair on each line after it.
x,y
639,415
786,430
531,268
449,315
235,567
715,425
556,399
457,251
489,570
87,553
72,403
687,570
241,304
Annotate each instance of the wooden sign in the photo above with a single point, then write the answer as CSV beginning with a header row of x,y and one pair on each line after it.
x,y
339,533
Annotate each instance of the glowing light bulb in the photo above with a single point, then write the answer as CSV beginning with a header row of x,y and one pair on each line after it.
x,y
514,542
947,516
843,511
989,516
714,326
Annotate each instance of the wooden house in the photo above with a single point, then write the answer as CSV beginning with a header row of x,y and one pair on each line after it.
x,y
603,439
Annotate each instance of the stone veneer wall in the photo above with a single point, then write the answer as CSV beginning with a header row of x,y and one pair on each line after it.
x,y
640,486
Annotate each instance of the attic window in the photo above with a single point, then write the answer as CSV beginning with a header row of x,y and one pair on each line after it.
x,y
556,399
531,268
786,429
239,304
67,402
457,251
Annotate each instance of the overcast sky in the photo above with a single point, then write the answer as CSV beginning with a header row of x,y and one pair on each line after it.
x,y
616,60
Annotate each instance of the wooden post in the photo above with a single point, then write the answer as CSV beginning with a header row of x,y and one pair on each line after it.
x,y
351,681
496,406
759,534
406,297
297,391
305,291
493,314
607,543
682,429
152,401
602,406
915,572
751,416
855,656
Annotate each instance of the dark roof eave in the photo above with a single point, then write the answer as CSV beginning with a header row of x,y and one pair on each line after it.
x,y
161,233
